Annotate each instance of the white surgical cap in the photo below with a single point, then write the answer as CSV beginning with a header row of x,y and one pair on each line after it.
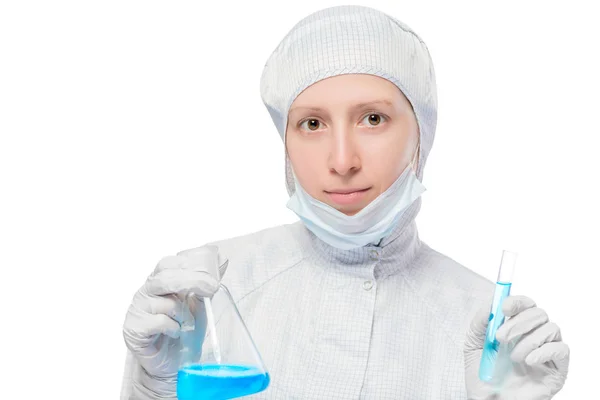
x,y
351,39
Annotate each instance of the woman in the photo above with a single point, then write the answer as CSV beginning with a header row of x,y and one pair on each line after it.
x,y
349,302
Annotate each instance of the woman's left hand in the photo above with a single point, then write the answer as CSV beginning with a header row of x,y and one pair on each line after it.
x,y
540,359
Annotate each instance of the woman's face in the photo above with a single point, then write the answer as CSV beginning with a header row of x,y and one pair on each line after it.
x,y
349,137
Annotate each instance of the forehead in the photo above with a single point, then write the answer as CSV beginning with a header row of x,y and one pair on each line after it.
x,y
349,90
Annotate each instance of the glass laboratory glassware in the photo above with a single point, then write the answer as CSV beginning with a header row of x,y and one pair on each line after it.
x,y
495,357
218,358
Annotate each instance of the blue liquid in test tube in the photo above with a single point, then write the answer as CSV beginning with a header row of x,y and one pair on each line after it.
x,y
487,368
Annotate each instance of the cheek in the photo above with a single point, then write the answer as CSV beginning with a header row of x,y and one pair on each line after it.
x,y
307,165
385,162
384,170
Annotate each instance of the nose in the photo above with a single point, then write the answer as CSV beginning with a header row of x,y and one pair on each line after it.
x,y
343,155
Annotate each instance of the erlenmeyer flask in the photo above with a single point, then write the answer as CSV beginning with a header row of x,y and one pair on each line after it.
x,y
218,358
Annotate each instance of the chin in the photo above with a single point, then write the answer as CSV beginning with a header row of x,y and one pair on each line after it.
x,y
351,213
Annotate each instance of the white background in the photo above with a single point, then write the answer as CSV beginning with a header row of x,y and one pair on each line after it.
x,y
131,130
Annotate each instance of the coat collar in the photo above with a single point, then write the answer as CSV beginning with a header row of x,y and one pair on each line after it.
x,y
388,256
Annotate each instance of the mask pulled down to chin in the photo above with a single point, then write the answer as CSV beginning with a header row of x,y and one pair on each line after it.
x,y
369,225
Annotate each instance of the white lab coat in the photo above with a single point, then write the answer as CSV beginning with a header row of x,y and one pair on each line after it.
x,y
377,322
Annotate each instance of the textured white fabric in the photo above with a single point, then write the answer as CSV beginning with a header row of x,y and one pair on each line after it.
x,y
325,333
376,322
351,39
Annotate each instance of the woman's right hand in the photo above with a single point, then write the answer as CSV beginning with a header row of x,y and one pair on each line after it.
x,y
157,314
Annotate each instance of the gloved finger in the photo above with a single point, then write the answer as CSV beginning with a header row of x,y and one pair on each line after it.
x,y
162,324
556,352
176,281
140,326
513,305
171,306
548,332
477,328
207,258
522,323
168,262
203,255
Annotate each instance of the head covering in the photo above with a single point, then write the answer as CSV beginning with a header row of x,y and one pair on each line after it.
x,y
351,39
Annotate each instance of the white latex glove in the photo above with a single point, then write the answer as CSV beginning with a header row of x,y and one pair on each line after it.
x,y
155,317
540,359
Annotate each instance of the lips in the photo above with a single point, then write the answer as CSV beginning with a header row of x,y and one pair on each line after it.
x,y
346,191
347,197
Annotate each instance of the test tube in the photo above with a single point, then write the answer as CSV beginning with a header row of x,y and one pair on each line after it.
x,y
487,368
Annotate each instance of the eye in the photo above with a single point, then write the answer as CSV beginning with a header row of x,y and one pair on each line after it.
x,y
312,124
373,119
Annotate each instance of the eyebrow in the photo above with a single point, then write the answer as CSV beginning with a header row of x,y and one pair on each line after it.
x,y
354,107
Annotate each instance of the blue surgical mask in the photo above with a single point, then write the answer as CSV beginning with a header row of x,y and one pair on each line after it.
x,y
369,225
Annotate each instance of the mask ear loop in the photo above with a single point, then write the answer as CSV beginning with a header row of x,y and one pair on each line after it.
x,y
416,154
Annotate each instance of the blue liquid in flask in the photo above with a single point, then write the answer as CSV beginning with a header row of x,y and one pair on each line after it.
x,y
491,345
214,381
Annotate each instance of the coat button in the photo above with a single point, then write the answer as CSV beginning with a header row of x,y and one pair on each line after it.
x,y
367,285
374,254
